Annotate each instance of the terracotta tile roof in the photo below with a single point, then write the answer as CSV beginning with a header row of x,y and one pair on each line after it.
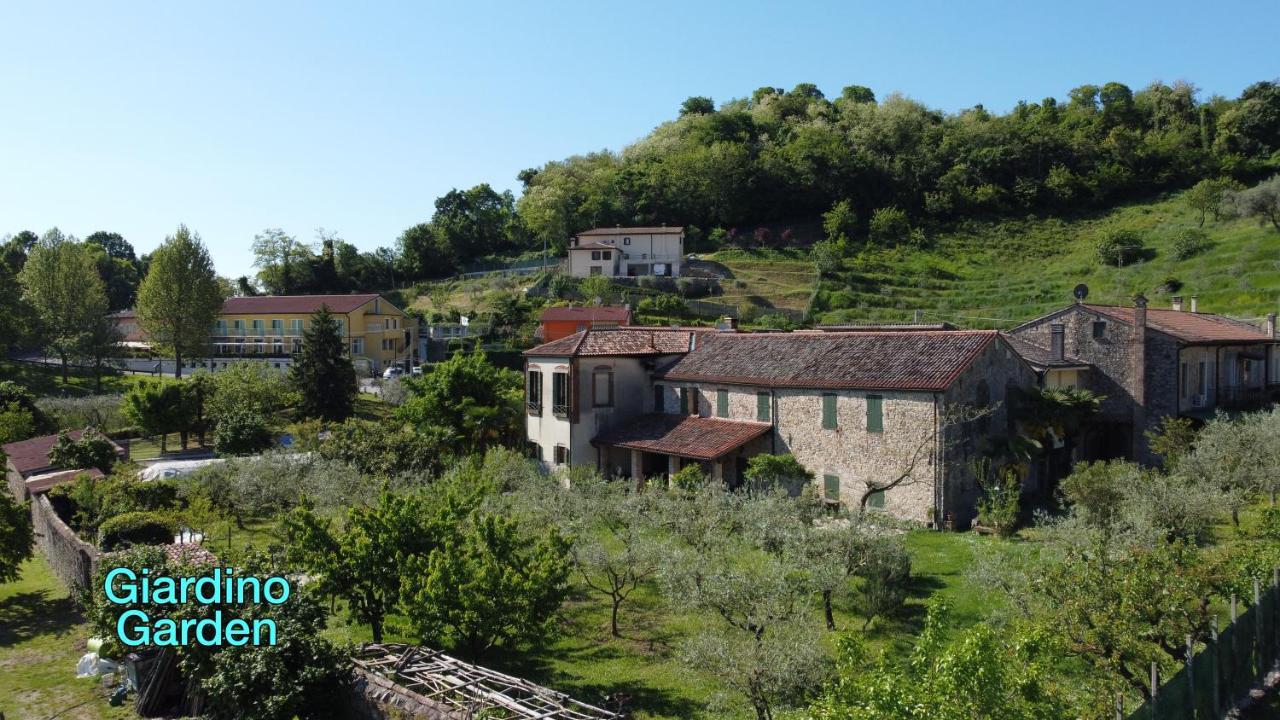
x,y
37,484
683,435
27,456
586,314
642,230
885,327
30,456
1188,326
902,360
1040,357
597,342
294,304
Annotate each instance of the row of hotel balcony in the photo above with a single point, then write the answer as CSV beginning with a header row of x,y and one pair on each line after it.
x,y
286,332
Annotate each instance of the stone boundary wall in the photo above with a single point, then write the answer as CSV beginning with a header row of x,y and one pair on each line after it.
x,y
73,560
374,697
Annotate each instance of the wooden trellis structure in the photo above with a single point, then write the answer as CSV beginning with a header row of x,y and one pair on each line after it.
x,y
470,689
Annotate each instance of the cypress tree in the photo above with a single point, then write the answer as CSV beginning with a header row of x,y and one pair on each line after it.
x,y
322,372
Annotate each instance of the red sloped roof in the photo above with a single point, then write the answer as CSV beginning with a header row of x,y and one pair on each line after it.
x,y
586,314
33,454
1188,326
28,456
642,230
599,342
294,304
683,435
896,360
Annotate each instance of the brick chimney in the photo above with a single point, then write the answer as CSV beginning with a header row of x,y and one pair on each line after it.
x,y
1270,327
1194,302
1138,374
1177,303
1057,342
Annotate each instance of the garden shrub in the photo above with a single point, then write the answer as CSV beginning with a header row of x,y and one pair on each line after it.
x,y
136,528
242,432
91,450
11,393
1189,243
16,423
689,477
1120,247
103,412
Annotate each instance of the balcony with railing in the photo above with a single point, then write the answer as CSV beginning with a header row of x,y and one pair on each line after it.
x,y
234,333
1241,397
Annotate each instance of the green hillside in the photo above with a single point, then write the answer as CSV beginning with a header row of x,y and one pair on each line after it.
x,y
995,274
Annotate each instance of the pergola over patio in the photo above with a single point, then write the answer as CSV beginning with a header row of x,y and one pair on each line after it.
x,y
681,437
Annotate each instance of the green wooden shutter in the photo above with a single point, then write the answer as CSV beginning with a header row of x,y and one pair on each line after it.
x,y
762,406
876,499
722,403
829,410
875,413
684,400
831,488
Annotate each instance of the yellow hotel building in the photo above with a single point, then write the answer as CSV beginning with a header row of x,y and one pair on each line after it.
x,y
270,328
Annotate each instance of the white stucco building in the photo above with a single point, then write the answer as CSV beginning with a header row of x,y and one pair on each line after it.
x,y
627,252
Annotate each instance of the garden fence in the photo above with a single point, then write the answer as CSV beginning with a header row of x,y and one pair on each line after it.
x,y
1229,665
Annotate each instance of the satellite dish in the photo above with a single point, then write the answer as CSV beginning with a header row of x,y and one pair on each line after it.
x,y
1081,292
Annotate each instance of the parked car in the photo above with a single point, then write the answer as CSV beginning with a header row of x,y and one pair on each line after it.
x,y
416,371
392,372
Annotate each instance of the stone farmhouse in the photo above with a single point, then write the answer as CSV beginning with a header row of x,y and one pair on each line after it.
x,y
857,408
627,252
1152,363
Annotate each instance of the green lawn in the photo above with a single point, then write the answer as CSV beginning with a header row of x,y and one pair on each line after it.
x,y
47,381
42,635
590,664
995,274
371,407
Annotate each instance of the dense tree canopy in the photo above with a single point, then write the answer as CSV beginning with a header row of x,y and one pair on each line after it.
x,y
781,155
180,297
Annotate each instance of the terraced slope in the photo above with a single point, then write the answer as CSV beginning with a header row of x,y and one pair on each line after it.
x,y
997,274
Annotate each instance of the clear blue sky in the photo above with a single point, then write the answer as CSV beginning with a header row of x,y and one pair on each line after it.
x,y
233,117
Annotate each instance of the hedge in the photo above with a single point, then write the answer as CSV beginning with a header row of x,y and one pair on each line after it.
x,y
136,528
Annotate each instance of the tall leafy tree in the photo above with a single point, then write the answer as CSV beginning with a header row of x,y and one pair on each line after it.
x,y
60,281
476,222
423,253
471,396
180,297
16,538
488,586
322,373
284,264
363,561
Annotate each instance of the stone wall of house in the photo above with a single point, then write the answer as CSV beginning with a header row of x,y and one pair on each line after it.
x,y
73,560
989,382
1114,376
1111,354
849,451
17,487
374,697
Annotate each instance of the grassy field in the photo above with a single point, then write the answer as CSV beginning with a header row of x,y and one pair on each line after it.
x,y
644,665
46,381
782,279
42,635
996,274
